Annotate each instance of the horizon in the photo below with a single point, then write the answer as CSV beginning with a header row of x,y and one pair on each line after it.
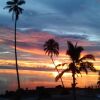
x,y
66,20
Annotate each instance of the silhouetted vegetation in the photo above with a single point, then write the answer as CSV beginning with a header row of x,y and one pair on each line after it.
x,y
77,64
51,47
16,10
57,93
98,82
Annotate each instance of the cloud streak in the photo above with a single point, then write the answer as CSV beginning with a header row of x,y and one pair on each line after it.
x,y
77,21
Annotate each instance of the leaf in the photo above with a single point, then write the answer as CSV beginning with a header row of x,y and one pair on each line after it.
x,y
58,65
77,71
89,56
21,2
70,45
63,64
20,9
91,67
15,1
71,48
60,74
83,68
98,83
10,3
11,9
7,7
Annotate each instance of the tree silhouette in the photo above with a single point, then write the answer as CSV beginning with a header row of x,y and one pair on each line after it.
x,y
77,64
16,10
98,82
51,47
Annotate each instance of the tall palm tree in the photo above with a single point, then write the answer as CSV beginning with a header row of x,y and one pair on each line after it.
x,y
77,64
51,47
14,7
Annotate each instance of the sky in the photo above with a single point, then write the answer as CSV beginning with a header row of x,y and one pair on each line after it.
x,y
62,20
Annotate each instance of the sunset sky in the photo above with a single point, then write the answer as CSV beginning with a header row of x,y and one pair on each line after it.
x,y
74,20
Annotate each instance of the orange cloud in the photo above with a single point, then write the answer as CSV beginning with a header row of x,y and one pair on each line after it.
x,y
33,41
32,50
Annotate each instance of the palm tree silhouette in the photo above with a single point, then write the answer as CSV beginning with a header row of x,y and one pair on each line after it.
x,y
14,7
51,47
98,82
77,64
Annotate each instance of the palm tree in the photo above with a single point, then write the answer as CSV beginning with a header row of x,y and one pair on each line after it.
x,y
51,47
77,64
14,7
98,82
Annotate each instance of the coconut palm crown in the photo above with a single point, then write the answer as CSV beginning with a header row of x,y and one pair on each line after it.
x,y
77,63
51,47
14,7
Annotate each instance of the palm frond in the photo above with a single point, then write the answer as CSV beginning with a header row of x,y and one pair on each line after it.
x,y
72,67
98,83
10,2
77,71
83,68
71,48
63,64
74,51
70,45
16,1
91,66
78,51
51,47
7,7
58,65
21,2
20,9
11,9
14,6
88,57
60,74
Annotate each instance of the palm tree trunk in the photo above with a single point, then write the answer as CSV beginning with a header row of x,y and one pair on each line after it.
x,y
73,86
16,63
58,72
